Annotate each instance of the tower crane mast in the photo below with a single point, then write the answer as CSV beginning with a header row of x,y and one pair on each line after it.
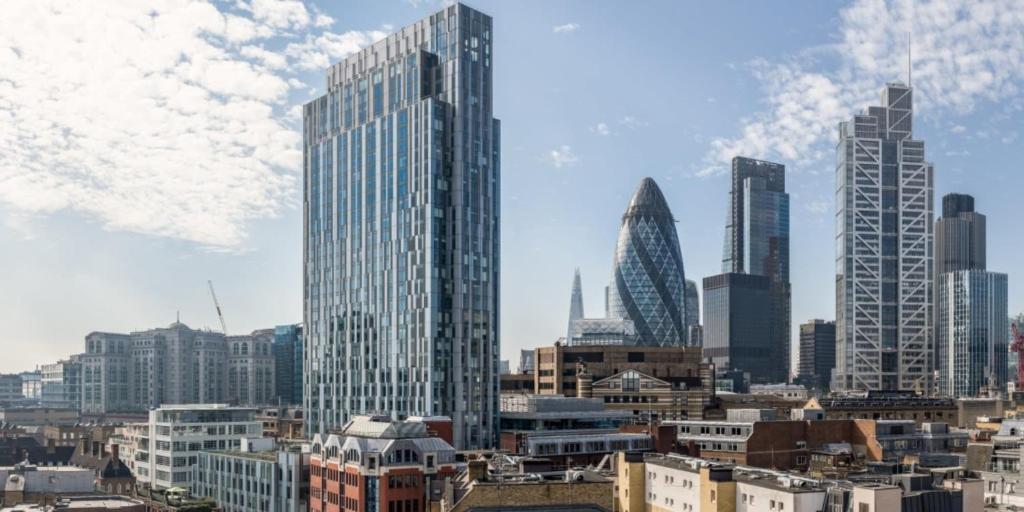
x,y
223,325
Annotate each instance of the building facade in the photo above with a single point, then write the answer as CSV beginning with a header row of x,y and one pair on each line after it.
x,y
62,383
32,385
378,465
401,231
174,365
10,388
817,353
557,366
970,304
972,352
258,476
648,284
757,243
738,326
884,236
168,446
287,350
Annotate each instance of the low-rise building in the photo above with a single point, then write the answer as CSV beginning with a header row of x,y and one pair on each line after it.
x,y
164,450
662,483
788,391
86,503
38,416
282,422
378,464
261,475
888,405
755,438
10,388
29,483
483,487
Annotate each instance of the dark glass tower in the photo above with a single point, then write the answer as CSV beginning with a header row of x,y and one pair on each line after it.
x,y
401,246
757,244
648,286
817,353
970,303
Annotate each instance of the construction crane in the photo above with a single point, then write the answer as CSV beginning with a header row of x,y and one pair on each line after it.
x,y
223,325
1018,346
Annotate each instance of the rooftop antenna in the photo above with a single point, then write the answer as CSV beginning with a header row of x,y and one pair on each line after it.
x,y
910,67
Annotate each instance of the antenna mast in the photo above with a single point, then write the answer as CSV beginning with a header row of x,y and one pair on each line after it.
x,y
223,325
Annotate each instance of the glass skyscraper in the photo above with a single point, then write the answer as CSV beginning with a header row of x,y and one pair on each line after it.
x,y
970,304
756,244
648,286
401,246
884,189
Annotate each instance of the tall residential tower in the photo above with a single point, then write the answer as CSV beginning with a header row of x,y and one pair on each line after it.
x,y
884,189
401,231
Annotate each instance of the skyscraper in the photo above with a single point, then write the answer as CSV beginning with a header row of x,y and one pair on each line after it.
x,y
648,286
970,303
575,304
693,330
288,364
756,243
884,235
960,235
817,353
737,321
401,231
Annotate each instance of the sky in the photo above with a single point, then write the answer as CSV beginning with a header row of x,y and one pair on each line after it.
x,y
147,147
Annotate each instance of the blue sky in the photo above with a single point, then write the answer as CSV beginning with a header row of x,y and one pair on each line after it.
x,y
146,148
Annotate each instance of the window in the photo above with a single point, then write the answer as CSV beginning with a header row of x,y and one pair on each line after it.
x,y
714,498
863,507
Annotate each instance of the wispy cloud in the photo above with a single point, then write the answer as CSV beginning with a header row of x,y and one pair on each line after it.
x,y
601,129
566,28
964,52
562,156
632,122
162,118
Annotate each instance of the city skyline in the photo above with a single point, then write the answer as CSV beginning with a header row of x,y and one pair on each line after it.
x,y
136,274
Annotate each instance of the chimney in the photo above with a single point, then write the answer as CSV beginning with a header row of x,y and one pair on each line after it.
x,y
477,470
115,452
51,445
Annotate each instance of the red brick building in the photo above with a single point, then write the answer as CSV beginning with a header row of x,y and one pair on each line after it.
x,y
379,465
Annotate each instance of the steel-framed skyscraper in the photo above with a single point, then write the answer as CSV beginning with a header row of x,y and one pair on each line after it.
x,y
401,240
884,189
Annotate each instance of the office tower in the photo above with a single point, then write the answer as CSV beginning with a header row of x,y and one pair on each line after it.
x,y
62,383
817,353
288,363
737,321
401,232
756,244
884,226
10,388
575,304
172,439
251,368
970,304
130,372
960,235
692,314
648,286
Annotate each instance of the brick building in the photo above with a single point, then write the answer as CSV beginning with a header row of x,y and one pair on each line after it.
x,y
379,464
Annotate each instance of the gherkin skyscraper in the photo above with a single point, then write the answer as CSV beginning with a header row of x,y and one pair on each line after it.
x,y
648,285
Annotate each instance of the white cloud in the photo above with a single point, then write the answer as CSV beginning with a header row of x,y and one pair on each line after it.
x,y
959,128
819,206
601,129
321,50
632,122
562,156
566,28
165,118
964,52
